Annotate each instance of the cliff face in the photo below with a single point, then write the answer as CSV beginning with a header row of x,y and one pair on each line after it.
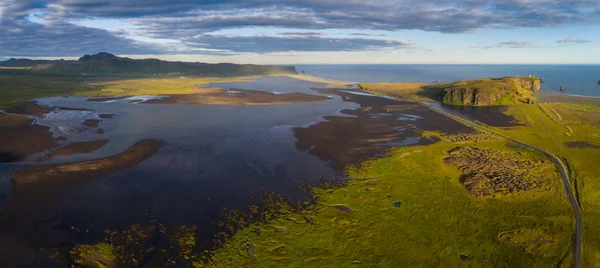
x,y
472,96
490,92
532,83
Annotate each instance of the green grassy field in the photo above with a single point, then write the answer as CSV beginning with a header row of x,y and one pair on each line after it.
x,y
575,123
437,224
550,125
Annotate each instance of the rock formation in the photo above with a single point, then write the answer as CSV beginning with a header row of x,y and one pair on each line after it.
x,y
489,92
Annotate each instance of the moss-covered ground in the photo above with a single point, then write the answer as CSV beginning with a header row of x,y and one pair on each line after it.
x,y
408,209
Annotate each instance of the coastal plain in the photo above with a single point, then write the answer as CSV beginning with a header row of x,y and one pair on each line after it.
x,y
416,187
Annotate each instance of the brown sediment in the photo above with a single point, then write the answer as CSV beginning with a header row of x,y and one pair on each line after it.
x,y
73,109
107,116
91,122
373,129
73,149
137,153
581,145
489,171
29,108
103,99
242,97
19,138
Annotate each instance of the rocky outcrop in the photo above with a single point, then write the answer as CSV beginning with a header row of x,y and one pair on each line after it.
x,y
471,96
532,83
490,92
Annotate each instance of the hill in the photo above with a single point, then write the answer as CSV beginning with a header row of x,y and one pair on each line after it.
x,y
108,64
486,92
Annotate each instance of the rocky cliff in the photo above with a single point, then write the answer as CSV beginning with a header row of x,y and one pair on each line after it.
x,y
489,92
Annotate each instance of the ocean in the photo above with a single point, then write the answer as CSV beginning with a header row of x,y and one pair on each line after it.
x,y
576,79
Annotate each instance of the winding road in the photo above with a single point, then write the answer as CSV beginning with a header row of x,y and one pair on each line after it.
x,y
561,167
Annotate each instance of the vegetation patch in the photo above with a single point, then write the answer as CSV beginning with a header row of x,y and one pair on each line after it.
x,y
408,210
534,241
490,171
469,137
100,255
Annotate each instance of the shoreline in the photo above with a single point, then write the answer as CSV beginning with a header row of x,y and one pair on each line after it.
x,y
314,78
569,98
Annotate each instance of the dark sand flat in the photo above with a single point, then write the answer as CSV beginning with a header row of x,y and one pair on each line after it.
x,y
379,124
19,138
556,97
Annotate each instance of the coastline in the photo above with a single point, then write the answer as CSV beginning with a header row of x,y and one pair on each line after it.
x,y
558,97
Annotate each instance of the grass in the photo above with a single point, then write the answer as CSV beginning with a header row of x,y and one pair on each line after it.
x,y
437,224
549,126
414,91
154,86
579,106
579,123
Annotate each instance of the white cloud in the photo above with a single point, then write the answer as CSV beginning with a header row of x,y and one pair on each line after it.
x,y
572,41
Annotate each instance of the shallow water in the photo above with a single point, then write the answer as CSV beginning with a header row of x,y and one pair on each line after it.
x,y
489,115
217,156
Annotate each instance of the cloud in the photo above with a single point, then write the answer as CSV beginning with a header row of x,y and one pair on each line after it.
x,y
25,38
61,27
301,33
515,44
567,41
436,15
268,44
506,44
366,34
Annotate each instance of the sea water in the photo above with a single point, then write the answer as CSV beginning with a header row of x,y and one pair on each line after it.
x,y
576,79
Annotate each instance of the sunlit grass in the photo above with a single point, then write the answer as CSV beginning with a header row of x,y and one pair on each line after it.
x,y
540,130
156,86
437,224
15,88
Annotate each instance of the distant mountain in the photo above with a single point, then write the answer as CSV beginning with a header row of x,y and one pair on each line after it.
x,y
23,62
105,63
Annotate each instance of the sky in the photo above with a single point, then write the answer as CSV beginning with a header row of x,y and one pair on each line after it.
x,y
306,31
